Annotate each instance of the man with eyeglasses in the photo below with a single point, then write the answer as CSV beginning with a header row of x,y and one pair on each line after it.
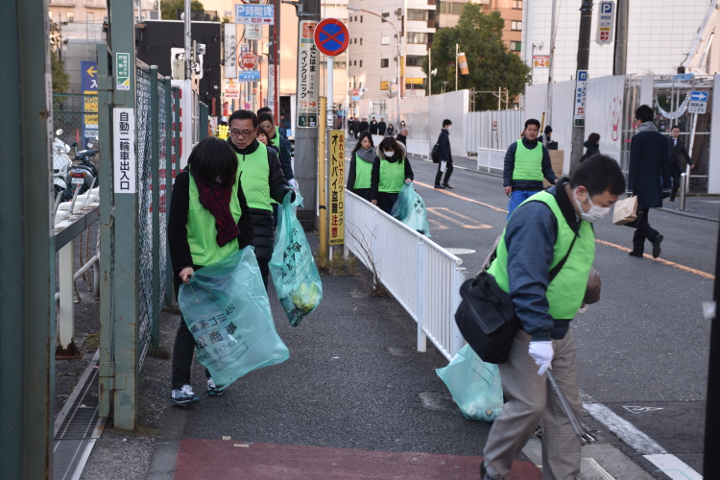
x,y
262,181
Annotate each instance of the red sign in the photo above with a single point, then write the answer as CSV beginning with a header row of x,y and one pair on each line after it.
x,y
331,37
248,60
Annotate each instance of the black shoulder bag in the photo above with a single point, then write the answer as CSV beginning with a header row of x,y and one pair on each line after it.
x,y
486,316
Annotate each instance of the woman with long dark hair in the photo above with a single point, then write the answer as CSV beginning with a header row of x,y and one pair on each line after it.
x,y
389,172
209,220
361,162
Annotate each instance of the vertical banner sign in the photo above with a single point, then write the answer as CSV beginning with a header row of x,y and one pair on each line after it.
x,y
606,23
337,187
89,88
308,95
580,97
124,164
122,71
230,46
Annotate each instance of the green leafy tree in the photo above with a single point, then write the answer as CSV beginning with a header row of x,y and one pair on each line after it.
x,y
491,64
169,8
60,78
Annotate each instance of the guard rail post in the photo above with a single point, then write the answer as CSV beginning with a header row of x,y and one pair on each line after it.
x,y
155,189
169,178
66,307
420,275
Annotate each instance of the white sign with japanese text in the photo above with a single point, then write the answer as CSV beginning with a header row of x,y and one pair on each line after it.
x,y
308,77
255,14
124,161
605,23
580,97
230,46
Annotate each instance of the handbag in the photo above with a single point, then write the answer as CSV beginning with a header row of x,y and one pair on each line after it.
x,y
486,316
626,211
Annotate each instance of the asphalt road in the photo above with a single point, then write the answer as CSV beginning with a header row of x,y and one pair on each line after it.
x,y
646,343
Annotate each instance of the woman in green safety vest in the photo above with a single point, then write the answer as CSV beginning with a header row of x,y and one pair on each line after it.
x,y
361,162
389,172
209,220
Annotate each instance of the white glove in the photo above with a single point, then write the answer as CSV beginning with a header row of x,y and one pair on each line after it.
x,y
294,184
542,353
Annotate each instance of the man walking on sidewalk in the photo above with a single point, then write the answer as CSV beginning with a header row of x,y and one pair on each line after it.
x,y
649,167
678,157
549,234
526,162
444,155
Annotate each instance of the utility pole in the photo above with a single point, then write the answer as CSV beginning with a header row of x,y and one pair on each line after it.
x,y
711,469
621,34
306,123
583,60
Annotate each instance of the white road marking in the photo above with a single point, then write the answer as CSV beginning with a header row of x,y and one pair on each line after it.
x,y
637,409
673,467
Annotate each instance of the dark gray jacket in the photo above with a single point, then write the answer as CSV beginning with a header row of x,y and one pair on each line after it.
x,y
649,173
444,152
531,185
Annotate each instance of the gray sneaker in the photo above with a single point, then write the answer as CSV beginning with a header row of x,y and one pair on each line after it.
x,y
212,390
183,396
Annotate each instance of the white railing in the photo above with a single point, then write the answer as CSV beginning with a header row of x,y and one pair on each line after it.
x,y
418,148
422,276
490,159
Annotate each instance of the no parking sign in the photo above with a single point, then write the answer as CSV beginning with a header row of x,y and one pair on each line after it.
x,y
331,37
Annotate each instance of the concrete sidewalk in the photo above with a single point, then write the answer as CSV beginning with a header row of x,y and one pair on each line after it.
x,y
354,401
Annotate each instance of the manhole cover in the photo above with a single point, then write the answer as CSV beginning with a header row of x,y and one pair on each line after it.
x,y
460,251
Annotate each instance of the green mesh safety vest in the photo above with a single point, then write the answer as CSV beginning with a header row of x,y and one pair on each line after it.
x,y
392,176
275,141
528,163
256,177
363,173
566,292
202,231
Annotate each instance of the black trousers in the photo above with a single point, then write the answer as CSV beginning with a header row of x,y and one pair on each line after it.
x,y
448,172
386,201
643,231
675,183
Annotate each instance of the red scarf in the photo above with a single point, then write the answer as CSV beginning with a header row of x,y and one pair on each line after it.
x,y
216,199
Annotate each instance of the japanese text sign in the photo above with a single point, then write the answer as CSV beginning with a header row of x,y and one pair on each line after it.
x,y
255,14
337,187
308,79
124,164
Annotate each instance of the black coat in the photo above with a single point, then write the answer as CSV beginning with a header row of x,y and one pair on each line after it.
x,y
444,152
375,174
382,126
180,255
678,153
262,220
363,126
374,127
649,172
591,149
402,139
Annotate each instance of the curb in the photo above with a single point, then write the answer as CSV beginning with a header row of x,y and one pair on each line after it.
x,y
689,215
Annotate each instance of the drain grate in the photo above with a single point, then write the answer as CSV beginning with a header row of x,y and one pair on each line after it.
x,y
591,470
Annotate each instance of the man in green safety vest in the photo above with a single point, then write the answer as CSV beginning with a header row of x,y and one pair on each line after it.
x,y
550,228
526,162
262,182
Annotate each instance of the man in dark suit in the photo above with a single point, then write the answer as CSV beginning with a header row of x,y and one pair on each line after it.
x,y
364,125
382,126
373,126
444,155
678,156
649,166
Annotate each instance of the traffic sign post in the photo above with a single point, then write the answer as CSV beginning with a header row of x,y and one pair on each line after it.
x,y
254,14
248,60
580,97
698,102
331,38
606,23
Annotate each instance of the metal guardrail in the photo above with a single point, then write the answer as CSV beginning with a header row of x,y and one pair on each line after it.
x,y
422,276
418,148
490,159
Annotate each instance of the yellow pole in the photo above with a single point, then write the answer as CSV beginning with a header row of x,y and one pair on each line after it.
x,y
322,199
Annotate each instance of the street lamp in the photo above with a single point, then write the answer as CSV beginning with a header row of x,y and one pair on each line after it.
x,y
397,43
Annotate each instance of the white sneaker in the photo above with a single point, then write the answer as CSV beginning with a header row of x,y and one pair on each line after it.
x,y
183,395
212,390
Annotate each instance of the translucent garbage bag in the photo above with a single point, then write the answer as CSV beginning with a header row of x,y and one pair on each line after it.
x,y
474,385
227,310
294,272
410,210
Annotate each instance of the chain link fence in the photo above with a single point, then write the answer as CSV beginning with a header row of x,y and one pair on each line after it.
x,y
76,115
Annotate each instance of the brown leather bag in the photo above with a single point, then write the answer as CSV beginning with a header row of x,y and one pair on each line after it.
x,y
592,293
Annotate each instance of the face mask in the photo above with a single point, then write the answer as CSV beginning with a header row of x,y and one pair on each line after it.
x,y
389,153
595,213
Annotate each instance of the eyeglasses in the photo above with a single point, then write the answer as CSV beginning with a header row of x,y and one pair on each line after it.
x,y
243,134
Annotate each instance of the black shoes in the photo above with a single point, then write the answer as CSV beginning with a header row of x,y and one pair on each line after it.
x,y
633,253
483,472
439,187
447,186
656,246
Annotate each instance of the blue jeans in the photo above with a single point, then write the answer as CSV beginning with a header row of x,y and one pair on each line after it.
x,y
517,197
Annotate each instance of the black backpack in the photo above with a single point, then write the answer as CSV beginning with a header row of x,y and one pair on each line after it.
x,y
435,154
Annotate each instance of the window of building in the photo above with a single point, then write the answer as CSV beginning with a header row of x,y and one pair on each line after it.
x,y
386,14
90,16
414,60
356,18
339,65
361,63
361,40
515,46
360,18
517,4
50,15
385,40
416,37
354,40
350,18
71,17
516,25
457,8
415,14
384,62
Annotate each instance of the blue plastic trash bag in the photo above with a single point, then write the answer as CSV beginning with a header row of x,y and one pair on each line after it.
x,y
410,210
474,385
227,310
292,266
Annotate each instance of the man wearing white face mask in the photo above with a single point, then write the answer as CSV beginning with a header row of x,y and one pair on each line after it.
x,y
548,235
